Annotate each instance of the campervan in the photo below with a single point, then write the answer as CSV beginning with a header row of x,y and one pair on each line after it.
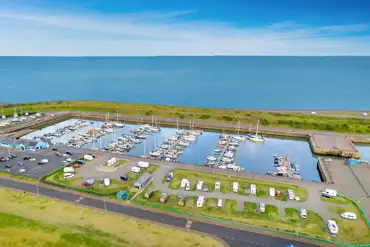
x,y
253,189
272,192
349,215
217,185
219,203
329,193
200,201
291,194
303,213
187,187
143,164
235,187
184,182
106,181
200,185
135,169
333,228
68,169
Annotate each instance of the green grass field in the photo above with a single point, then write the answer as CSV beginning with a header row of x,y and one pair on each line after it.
x,y
115,186
355,231
36,221
274,119
226,184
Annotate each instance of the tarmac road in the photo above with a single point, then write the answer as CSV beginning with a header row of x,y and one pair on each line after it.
x,y
234,237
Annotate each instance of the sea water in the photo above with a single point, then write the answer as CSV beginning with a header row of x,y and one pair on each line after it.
x,y
220,82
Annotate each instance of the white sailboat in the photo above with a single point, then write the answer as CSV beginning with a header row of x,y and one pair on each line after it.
x,y
256,137
117,124
239,137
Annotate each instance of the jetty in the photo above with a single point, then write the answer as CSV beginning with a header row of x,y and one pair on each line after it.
x,y
224,149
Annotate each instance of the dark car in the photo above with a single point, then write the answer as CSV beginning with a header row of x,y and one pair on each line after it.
x,y
2,159
13,156
40,163
69,153
58,154
54,149
8,166
27,158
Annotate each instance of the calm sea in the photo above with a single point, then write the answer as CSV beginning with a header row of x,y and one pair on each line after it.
x,y
225,82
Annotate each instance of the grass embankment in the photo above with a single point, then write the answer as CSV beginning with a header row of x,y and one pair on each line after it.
x,y
97,188
36,221
19,177
209,179
273,119
246,213
350,231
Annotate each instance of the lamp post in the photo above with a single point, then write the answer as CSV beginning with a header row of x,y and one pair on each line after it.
x,y
297,229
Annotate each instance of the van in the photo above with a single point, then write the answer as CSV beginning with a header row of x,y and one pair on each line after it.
x,y
143,164
333,228
68,169
219,203
349,215
303,213
235,187
217,185
329,193
68,175
135,169
261,207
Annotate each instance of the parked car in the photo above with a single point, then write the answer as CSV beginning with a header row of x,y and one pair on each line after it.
x,y
22,170
58,154
187,187
68,175
135,169
303,213
124,178
2,159
69,153
44,161
32,159
54,149
8,166
27,158
68,159
349,215
64,162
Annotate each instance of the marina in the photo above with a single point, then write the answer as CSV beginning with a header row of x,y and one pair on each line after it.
x,y
182,145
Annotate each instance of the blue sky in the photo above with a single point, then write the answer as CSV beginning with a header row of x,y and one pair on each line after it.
x,y
184,27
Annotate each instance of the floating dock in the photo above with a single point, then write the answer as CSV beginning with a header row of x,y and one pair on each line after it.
x,y
333,145
224,149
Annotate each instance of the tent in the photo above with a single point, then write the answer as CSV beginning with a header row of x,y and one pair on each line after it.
x,y
121,195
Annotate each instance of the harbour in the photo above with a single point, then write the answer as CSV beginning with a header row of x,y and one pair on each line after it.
x,y
190,146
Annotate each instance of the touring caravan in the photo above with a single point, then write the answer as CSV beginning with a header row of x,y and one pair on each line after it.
x,y
200,185
235,187
135,169
291,194
272,192
68,169
183,183
143,164
253,189
200,201
217,185
329,193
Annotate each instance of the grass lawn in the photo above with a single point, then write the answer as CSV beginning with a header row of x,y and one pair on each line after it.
x,y
36,221
115,186
337,200
226,184
353,231
19,177
274,119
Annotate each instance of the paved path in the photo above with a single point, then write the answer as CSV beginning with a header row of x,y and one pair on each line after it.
x,y
234,237
313,203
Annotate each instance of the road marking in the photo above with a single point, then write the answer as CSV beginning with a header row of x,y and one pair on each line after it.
x,y
79,199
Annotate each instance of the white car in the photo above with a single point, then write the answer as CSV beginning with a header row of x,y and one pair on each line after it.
x,y
349,215
65,155
32,159
69,160
135,169
187,186
22,170
44,161
64,162
303,213
68,175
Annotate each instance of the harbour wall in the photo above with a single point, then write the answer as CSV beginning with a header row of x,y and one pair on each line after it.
x,y
325,173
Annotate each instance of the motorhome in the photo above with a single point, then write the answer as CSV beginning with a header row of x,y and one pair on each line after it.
x,y
200,201
349,215
183,183
235,187
106,181
135,169
143,164
272,192
329,193
68,169
303,213
291,194
219,203
217,185
200,185
253,189
333,228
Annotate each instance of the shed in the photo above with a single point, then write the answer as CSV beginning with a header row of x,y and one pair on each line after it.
x,y
182,200
122,195
143,181
149,193
164,198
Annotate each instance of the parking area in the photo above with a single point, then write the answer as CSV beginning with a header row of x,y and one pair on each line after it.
x,y
32,167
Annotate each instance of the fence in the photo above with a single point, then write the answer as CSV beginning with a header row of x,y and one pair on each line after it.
x,y
156,206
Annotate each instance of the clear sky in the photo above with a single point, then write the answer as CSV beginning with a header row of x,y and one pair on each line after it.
x,y
184,27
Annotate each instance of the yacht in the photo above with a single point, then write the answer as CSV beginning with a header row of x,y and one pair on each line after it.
x,y
184,143
217,150
190,138
109,130
256,137
155,154
239,138
118,125
211,158
141,137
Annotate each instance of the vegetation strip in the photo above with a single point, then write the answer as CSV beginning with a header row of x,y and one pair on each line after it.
x,y
273,119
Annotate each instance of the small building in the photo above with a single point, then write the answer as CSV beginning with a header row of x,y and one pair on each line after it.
x,y
181,201
122,195
149,193
24,144
164,198
143,181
